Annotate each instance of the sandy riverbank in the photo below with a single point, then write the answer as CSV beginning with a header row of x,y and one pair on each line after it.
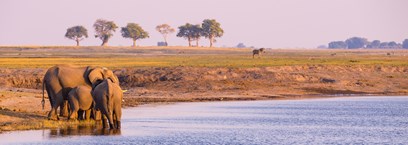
x,y
191,74
21,93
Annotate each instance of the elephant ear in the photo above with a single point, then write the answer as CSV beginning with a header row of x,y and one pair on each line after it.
x,y
110,75
95,75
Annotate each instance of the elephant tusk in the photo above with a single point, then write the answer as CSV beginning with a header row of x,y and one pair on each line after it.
x,y
124,91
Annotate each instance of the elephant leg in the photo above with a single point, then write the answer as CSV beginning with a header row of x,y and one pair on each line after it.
x,y
117,116
80,114
114,120
52,96
73,115
97,115
64,108
52,115
73,104
107,115
111,122
118,124
88,114
104,121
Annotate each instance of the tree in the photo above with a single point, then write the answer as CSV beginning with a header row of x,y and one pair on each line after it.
x,y
356,42
374,44
211,30
384,45
337,44
186,31
77,33
392,44
196,32
165,29
104,30
241,45
135,32
405,43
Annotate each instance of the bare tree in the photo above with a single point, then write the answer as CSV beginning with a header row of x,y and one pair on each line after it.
x,y
165,29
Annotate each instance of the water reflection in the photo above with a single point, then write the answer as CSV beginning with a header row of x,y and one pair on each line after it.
x,y
360,120
78,130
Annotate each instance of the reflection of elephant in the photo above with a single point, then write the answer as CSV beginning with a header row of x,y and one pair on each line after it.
x,y
82,130
108,99
60,79
80,98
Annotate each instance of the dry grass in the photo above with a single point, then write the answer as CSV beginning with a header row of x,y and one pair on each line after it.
x,y
129,57
201,61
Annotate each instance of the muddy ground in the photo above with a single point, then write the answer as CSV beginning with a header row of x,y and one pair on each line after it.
x,y
21,94
21,88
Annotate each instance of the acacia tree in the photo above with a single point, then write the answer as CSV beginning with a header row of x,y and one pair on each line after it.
x,y
104,30
211,30
77,33
186,31
165,29
135,32
196,33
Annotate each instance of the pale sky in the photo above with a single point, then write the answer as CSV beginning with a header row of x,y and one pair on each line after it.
x,y
259,23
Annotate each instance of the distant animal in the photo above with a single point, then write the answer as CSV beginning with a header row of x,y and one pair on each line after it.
x,y
257,52
108,99
333,54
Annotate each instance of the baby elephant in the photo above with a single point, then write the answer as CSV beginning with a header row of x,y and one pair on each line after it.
x,y
80,99
108,99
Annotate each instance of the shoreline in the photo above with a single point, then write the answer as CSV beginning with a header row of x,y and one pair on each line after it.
x,y
40,122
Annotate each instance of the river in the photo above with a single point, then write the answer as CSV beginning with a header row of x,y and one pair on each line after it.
x,y
344,120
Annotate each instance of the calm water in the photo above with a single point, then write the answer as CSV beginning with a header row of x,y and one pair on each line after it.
x,y
357,120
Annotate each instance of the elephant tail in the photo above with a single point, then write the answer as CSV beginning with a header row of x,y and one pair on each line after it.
x,y
43,100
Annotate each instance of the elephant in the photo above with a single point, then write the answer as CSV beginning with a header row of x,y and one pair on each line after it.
x,y
80,98
61,79
108,99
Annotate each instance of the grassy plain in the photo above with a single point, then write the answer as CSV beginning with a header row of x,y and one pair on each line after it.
x,y
128,57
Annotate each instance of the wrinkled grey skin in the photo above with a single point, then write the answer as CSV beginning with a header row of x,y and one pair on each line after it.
x,y
108,99
61,79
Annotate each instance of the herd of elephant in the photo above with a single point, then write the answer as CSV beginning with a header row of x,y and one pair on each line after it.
x,y
91,92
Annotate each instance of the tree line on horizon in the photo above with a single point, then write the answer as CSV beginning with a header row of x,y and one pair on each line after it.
x,y
210,29
360,42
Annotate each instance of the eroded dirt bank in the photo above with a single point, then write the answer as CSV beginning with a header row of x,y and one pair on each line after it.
x,y
20,92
